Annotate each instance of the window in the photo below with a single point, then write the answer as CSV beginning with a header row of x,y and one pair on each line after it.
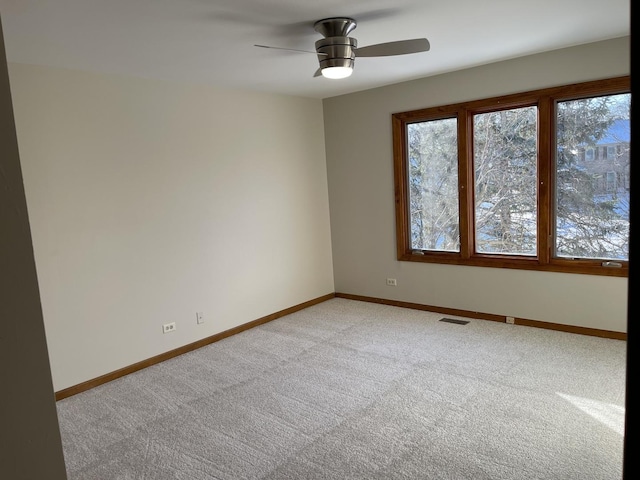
x,y
516,181
589,154
504,173
433,181
592,223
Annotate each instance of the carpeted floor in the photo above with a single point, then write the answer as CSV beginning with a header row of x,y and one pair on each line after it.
x,y
352,390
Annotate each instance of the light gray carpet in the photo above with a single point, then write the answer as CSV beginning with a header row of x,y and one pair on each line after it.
x,y
352,390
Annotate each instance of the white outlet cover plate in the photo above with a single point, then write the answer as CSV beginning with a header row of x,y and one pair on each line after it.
x,y
168,327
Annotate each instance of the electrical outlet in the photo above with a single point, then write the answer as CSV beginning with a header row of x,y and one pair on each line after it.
x,y
392,282
168,327
200,317
511,320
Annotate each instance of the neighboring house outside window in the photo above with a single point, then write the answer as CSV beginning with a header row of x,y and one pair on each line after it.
x,y
609,169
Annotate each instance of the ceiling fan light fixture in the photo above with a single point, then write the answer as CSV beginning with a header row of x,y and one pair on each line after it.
x,y
336,73
337,67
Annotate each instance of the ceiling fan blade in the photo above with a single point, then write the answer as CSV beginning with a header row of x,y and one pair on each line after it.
x,y
290,49
318,73
401,47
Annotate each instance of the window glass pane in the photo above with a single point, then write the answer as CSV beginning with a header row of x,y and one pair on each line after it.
x,y
505,166
592,192
433,185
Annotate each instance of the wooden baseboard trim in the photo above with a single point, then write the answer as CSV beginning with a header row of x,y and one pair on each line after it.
x,y
594,332
89,384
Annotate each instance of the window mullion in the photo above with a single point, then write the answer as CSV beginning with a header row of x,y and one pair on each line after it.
x,y
546,144
465,176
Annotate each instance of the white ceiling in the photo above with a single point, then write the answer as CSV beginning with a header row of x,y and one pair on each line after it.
x,y
212,41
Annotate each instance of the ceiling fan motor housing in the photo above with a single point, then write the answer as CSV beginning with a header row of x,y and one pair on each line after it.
x,y
336,51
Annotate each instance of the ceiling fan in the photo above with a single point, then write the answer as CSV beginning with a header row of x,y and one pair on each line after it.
x,y
337,51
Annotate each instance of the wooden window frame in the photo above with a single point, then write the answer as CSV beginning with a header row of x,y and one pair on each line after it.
x,y
544,260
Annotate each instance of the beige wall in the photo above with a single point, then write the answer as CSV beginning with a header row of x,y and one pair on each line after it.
x,y
150,201
360,170
30,446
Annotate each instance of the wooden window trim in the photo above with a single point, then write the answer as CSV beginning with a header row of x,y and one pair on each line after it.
x,y
545,100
